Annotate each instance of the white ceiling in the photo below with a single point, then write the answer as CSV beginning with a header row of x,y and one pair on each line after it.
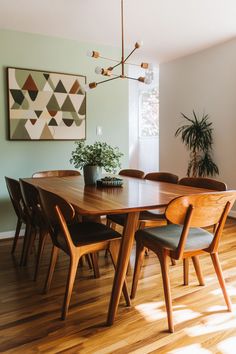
x,y
168,28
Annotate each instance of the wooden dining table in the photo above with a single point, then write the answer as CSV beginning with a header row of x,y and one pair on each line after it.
x,y
134,196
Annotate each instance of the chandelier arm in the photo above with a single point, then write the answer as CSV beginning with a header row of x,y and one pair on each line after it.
x,y
129,54
115,60
131,78
114,78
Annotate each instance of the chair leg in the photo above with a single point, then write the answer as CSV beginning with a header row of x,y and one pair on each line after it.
x,y
140,252
114,251
16,237
164,262
186,270
94,258
88,259
29,245
42,239
218,270
69,286
198,270
28,228
53,261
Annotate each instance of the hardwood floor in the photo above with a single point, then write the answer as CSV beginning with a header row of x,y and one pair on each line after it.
x,y
30,321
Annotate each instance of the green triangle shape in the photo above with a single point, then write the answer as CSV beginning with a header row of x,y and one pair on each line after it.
x,y
38,113
60,87
53,104
25,104
15,106
20,132
68,105
53,123
17,96
82,109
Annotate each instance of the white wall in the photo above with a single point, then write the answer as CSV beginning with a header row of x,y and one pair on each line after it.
x,y
205,82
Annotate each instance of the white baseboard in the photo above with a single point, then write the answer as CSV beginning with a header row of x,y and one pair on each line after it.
x,y
10,234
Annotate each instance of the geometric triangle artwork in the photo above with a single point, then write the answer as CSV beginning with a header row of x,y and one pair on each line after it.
x,y
82,108
53,104
17,96
46,105
68,122
60,87
53,123
68,105
29,84
33,94
75,87
38,113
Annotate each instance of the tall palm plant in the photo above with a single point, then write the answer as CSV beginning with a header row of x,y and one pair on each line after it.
x,y
197,137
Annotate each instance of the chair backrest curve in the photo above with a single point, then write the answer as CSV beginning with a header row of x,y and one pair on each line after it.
x,y
207,208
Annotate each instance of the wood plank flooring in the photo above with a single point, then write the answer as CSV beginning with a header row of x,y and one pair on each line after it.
x,y
30,321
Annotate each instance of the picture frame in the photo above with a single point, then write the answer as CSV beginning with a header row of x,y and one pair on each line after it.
x,y
45,105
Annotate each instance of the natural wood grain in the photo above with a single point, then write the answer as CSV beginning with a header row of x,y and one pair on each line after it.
x,y
193,211
30,323
135,195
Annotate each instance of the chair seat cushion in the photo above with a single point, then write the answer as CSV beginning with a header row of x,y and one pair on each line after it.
x,y
87,232
120,219
168,236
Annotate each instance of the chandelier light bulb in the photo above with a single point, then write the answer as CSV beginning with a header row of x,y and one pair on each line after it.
x,y
89,53
98,70
139,44
147,80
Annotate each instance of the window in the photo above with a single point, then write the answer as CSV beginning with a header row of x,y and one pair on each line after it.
x,y
149,113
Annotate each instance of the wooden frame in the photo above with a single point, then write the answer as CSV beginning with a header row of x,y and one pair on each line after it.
x,y
45,105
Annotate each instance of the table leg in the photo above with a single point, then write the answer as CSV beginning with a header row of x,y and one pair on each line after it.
x,y
122,264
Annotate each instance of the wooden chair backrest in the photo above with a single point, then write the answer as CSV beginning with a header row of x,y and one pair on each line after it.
x,y
16,197
207,208
56,173
202,182
30,194
162,177
132,173
58,212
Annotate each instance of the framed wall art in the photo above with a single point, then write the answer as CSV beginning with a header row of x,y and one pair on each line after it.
x,y
46,105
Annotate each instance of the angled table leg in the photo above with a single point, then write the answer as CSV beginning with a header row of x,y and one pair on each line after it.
x,y
123,260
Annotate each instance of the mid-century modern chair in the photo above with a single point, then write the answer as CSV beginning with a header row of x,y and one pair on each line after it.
x,y
147,218
56,173
185,237
75,239
199,182
132,173
16,197
38,224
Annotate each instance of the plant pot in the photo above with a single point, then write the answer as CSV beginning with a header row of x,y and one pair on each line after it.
x,y
91,174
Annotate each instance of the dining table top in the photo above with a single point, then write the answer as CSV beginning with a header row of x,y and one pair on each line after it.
x,y
135,194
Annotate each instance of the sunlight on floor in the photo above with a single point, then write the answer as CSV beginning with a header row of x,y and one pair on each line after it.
x,y
231,290
227,346
193,349
212,325
185,315
151,310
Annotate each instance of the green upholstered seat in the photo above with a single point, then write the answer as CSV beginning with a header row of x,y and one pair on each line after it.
x,y
169,237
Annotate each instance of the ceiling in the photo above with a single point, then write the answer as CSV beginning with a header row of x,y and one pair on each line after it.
x,y
168,28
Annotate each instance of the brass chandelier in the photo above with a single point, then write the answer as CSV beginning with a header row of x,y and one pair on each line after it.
x,y
108,72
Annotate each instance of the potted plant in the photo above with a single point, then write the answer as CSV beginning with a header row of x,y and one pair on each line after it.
x,y
92,158
197,137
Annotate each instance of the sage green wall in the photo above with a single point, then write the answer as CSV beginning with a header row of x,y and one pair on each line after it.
x,y
107,106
